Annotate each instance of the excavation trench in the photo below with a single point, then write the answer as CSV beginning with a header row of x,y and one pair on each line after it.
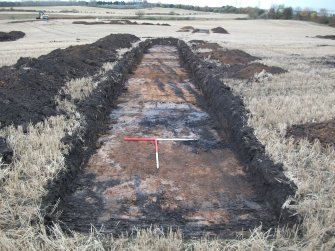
x,y
201,187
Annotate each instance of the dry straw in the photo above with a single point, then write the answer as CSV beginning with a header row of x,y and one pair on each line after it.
x,y
304,94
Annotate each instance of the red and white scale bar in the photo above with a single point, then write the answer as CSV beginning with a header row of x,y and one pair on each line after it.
x,y
155,140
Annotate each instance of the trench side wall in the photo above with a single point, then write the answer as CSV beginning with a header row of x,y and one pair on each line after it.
x,y
232,115
95,109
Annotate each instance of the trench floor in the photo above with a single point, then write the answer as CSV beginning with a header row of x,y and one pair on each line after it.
x,y
200,187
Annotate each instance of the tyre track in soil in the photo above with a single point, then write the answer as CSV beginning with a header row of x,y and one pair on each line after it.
x,y
201,187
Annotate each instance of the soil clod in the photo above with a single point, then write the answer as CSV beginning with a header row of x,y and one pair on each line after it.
x,y
6,154
219,30
332,37
201,31
324,132
11,36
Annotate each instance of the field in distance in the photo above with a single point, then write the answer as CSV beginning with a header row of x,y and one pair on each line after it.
x,y
93,12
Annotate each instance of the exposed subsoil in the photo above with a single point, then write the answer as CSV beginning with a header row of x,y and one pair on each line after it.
x,y
27,89
332,37
219,30
235,63
201,187
11,36
324,132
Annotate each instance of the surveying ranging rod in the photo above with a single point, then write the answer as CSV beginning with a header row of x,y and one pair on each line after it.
x,y
155,140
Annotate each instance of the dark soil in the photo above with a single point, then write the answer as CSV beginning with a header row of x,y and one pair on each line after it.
x,y
330,63
186,29
201,31
181,30
230,57
324,132
6,153
93,23
125,21
234,63
11,36
254,68
219,30
28,88
224,56
332,37
147,24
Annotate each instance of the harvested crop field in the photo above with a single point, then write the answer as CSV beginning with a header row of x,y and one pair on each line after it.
x,y
257,174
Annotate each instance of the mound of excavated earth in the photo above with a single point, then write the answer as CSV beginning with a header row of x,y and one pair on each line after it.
x,y
186,29
28,89
219,30
201,31
234,63
11,36
324,132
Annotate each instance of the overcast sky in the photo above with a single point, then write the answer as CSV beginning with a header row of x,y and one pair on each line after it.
x,y
315,4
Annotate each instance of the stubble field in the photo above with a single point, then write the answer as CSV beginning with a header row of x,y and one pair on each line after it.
x,y
302,95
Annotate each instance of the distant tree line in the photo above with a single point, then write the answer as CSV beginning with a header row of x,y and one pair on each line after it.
x,y
275,12
306,14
